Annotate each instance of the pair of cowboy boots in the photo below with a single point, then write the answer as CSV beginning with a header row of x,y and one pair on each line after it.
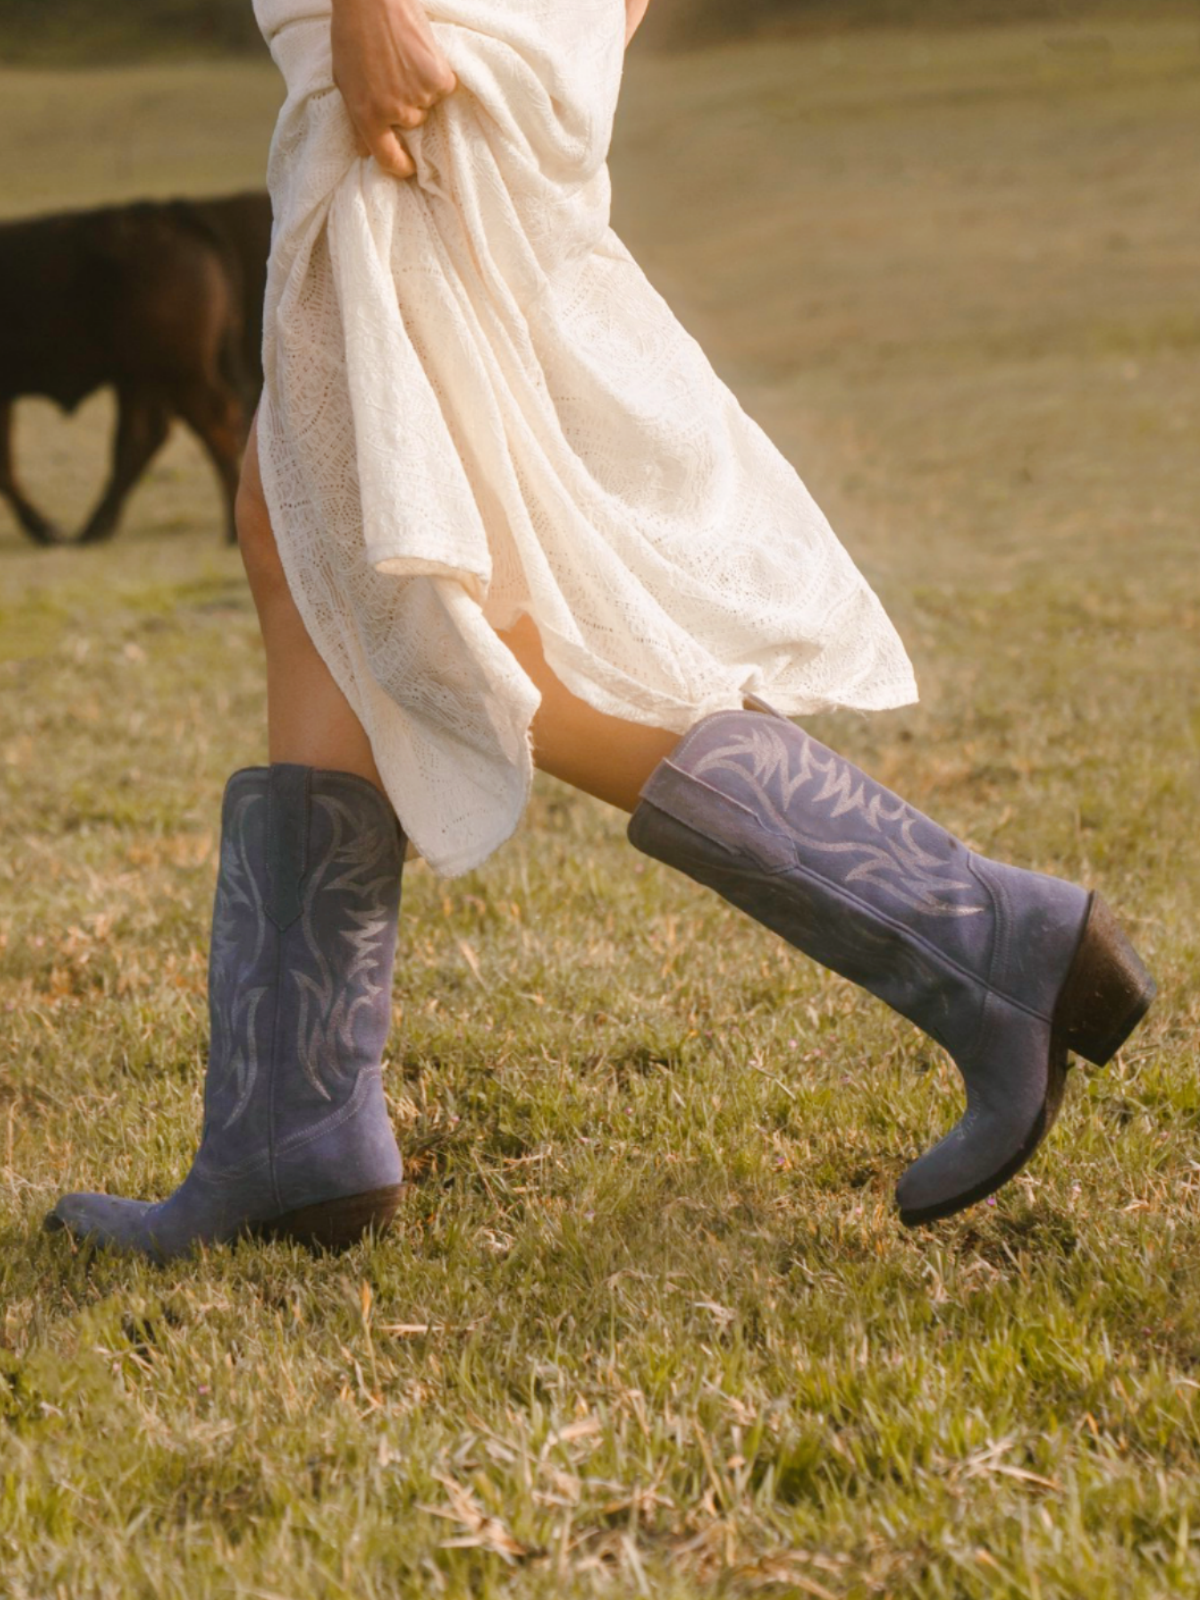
x,y
1009,970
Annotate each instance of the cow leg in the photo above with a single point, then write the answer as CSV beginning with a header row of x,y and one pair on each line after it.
x,y
215,414
143,423
31,519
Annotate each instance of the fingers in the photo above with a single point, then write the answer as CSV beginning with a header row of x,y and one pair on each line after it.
x,y
390,70
384,142
391,154
409,117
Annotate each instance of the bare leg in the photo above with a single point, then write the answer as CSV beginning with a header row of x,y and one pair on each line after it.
x,y
602,755
297,1139
309,719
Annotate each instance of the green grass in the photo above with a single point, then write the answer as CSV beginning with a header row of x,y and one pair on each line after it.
x,y
648,1325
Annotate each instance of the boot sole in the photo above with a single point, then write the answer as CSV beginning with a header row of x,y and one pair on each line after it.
x,y
1106,994
335,1224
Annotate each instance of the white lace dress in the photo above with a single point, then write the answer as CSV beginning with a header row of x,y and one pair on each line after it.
x,y
477,406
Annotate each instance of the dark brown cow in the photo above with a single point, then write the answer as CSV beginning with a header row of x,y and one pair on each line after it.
x,y
160,300
243,223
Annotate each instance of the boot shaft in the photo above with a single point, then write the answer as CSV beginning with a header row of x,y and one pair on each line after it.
x,y
304,935
841,867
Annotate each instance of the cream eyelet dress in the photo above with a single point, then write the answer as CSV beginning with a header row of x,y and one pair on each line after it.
x,y
477,406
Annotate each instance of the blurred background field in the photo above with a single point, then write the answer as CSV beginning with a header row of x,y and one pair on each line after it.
x,y
649,1326
80,31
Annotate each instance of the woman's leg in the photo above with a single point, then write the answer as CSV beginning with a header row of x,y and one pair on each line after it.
x,y
602,755
297,1136
309,719
1009,970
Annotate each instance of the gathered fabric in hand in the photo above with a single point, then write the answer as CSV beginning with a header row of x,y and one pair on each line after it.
x,y
477,406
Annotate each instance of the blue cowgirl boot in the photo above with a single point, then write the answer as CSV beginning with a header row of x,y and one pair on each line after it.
x,y
297,1141
1008,970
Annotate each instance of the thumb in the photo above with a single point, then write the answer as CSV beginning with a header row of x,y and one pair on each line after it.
x,y
390,152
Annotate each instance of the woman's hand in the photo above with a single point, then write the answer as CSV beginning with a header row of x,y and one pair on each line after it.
x,y
391,73
635,10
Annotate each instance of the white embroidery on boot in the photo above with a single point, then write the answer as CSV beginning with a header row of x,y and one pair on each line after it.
x,y
897,864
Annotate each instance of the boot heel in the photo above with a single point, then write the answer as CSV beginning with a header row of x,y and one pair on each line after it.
x,y
337,1224
1107,993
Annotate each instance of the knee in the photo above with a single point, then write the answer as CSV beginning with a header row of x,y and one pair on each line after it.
x,y
256,540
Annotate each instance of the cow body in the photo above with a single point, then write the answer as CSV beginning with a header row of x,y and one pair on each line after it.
x,y
162,301
243,223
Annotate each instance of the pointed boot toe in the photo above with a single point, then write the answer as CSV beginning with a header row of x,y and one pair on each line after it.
x,y
1008,1115
1016,1075
106,1221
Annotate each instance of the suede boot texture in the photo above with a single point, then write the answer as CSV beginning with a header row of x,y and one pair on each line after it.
x,y
1009,970
297,1139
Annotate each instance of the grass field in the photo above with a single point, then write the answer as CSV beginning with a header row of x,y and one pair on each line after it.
x,y
649,1326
